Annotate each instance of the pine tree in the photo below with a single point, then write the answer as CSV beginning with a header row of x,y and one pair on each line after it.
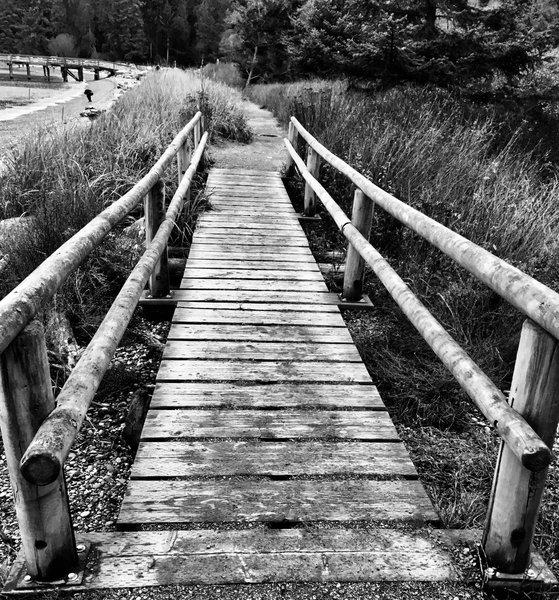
x,y
449,42
11,16
255,36
210,25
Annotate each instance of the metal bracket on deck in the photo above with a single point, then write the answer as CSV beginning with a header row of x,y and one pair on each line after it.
x,y
19,581
537,577
147,300
365,302
303,217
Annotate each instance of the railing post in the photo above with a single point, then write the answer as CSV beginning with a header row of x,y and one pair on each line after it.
x,y
26,399
361,218
154,211
198,128
183,161
292,137
517,492
313,165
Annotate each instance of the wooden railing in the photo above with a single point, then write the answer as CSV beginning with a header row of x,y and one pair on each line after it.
x,y
528,424
38,435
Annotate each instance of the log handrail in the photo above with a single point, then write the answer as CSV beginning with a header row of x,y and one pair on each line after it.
x,y
528,424
19,306
534,299
513,429
43,460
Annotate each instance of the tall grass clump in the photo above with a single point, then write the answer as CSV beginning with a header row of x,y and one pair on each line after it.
x,y
459,164
57,180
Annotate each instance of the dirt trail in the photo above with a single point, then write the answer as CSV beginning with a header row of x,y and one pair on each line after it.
x,y
267,151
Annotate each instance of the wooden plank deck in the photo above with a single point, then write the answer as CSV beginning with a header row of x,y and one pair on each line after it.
x,y
264,412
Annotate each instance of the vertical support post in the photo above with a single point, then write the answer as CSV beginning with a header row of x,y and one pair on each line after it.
x,y
96,74
313,165
517,492
183,161
292,138
197,133
11,70
154,211
28,68
361,218
80,73
26,399
198,130
64,73
47,72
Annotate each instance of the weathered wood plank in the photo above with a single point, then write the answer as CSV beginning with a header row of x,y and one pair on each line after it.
x,y
250,240
271,333
252,199
248,189
299,500
203,370
201,557
270,396
257,233
217,262
227,350
156,460
221,206
248,307
245,185
192,272
241,172
270,424
262,220
278,225
273,285
287,297
278,253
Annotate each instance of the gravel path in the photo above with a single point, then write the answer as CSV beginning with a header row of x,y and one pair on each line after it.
x,y
267,151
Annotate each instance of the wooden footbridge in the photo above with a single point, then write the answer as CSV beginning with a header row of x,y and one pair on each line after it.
x,y
267,454
66,65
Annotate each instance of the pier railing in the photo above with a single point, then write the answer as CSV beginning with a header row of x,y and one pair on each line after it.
x,y
37,432
527,423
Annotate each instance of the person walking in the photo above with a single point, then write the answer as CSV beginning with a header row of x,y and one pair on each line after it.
x,y
88,93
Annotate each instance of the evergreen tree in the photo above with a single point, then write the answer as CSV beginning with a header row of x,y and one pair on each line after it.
x,y
124,37
255,36
11,16
445,41
210,25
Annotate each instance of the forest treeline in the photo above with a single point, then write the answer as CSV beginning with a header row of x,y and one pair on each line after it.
x,y
439,41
